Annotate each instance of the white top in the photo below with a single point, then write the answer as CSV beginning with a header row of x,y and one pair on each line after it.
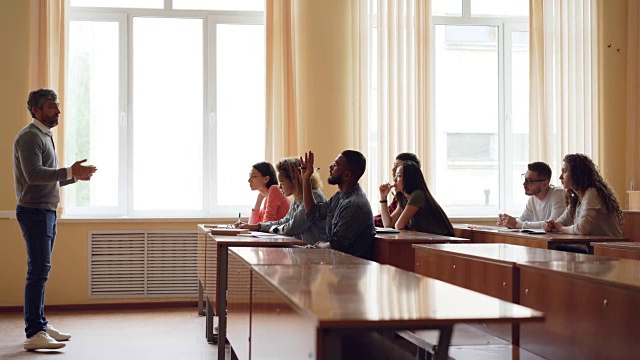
x,y
538,211
591,217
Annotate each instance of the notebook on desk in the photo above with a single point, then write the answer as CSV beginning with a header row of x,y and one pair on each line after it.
x,y
525,231
380,230
226,231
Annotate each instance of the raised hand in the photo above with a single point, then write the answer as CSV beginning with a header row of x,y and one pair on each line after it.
x,y
306,165
82,172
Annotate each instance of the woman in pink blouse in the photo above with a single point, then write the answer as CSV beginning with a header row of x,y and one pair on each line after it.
x,y
271,204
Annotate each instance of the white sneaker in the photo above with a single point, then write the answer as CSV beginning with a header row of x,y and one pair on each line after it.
x,y
56,334
42,340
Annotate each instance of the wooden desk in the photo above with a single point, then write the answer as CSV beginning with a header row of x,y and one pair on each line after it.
x,y
308,308
241,259
215,289
487,268
622,250
631,226
396,250
592,309
542,241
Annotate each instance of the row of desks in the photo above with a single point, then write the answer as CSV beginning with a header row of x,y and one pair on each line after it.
x,y
591,303
490,234
324,295
302,303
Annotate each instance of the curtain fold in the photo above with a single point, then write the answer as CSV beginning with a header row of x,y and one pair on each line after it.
x,y
401,102
282,130
633,95
47,59
564,79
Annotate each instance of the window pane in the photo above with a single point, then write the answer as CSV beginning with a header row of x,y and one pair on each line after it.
x,y
446,7
91,115
520,112
240,89
466,101
167,114
246,5
144,4
499,7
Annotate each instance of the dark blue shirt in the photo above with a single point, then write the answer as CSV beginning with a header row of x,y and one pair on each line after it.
x,y
349,218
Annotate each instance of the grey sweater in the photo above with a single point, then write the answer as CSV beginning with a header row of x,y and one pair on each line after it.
x,y
36,175
295,224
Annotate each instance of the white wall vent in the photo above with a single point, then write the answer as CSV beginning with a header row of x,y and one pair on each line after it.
x,y
139,263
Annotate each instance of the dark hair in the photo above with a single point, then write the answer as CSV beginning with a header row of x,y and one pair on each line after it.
x,y
542,169
584,175
413,178
356,162
38,97
266,169
290,169
407,156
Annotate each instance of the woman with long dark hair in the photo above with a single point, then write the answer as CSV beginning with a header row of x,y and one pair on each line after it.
x,y
417,209
592,207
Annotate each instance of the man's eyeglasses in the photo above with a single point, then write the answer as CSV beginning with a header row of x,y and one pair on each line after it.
x,y
531,181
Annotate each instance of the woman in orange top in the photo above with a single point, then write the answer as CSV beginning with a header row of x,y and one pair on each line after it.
x,y
271,204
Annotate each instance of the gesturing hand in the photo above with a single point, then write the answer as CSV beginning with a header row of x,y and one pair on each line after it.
x,y
82,172
306,165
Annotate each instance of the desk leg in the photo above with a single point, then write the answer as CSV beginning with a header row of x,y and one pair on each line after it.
x,y
209,323
221,296
200,296
443,343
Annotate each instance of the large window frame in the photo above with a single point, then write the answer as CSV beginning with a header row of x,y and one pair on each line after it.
x,y
124,17
508,186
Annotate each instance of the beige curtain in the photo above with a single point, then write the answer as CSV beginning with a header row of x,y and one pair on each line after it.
x,y
47,57
633,94
564,79
402,102
281,119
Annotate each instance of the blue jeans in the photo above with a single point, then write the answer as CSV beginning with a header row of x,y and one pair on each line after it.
x,y
39,232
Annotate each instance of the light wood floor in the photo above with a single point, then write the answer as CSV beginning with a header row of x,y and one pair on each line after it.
x,y
174,333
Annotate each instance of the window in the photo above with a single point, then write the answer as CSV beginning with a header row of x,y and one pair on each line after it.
x,y
168,103
481,95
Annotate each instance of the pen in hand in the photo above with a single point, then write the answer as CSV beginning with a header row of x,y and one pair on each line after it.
x,y
239,217
304,167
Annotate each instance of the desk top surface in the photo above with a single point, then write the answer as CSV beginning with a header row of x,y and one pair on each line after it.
x,y
382,296
506,253
550,236
623,273
417,237
295,256
227,240
625,245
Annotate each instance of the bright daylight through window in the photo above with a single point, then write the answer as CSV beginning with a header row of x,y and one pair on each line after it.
x,y
152,96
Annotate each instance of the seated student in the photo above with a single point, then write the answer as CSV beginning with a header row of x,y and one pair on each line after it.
x,y
592,207
348,213
417,209
294,223
546,201
402,157
275,205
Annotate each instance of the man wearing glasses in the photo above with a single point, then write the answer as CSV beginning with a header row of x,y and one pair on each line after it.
x,y
546,201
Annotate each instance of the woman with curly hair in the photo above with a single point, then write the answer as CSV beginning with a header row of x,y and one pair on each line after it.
x,y
294,223
592,207
417,209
